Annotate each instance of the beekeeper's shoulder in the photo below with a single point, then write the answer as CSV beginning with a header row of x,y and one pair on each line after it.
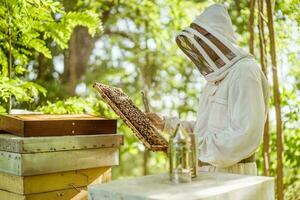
x,y
244,69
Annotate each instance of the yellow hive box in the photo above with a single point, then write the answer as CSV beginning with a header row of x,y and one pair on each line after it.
x,y
55,195
62,185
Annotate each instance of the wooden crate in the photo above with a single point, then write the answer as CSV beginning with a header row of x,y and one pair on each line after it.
x,y
25,185
27,125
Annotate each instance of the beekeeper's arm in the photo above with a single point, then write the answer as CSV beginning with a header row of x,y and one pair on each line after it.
x,y
170,124
223,148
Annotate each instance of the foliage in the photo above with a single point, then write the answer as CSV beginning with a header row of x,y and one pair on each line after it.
x,y
28,24
21,90
25,27
72,105
78,105
292,192
291,127
2,110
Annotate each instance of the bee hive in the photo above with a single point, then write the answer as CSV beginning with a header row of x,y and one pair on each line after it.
x,y
133,117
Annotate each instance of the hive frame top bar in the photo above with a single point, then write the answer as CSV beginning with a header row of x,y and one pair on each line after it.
x,y
152,147
17,144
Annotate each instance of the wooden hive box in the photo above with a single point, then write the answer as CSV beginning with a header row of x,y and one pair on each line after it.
x,y
57,167
50,162
25,156
61,185
29,125
23,145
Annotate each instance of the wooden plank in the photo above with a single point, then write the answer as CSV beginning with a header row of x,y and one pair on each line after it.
x,y
54,195
51,162
27,125
12,125
10,162
11,183
54,181
12,143
41,117
11,196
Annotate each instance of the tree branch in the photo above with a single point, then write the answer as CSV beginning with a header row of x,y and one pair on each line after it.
x,y
120,33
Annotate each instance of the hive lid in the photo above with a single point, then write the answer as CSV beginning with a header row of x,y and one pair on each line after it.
x,y
28,125
133,117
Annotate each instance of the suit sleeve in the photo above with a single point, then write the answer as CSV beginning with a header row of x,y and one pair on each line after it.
x,y
171,123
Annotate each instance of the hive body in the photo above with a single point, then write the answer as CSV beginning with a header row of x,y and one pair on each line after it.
x,y
56,167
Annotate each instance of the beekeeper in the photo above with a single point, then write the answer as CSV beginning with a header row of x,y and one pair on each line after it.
x,y
234,102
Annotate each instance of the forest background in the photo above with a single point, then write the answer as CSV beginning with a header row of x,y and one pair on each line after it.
x,y
51,52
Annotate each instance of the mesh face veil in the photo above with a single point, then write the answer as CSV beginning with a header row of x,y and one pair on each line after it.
x,y
193,53
212,52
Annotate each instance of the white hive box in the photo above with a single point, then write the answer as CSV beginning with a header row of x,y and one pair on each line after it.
x,y
40,155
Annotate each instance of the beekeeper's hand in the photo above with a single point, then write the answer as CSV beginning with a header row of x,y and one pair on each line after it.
x,y
157,121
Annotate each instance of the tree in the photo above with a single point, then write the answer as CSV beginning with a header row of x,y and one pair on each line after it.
x,y
279,139
80,45
263,62
25,26
251,26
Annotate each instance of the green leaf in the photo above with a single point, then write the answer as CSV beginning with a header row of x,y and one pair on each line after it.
x,y
40,46
19,70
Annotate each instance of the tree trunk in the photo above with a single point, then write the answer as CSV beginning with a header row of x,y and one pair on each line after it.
x,y
9,103
251,27
266,148
279,138
45,68
80,48
77,55
262,48
145,162
76,58
10,58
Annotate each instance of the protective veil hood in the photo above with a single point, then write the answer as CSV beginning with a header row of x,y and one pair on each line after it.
x,y
211,44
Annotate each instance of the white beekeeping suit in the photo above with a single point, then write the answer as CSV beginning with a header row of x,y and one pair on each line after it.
x,y
234,102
